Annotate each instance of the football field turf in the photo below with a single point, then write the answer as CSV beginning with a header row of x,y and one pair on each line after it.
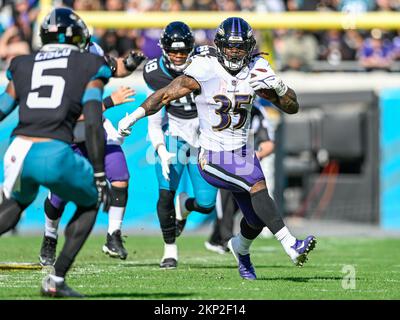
x,y
205,275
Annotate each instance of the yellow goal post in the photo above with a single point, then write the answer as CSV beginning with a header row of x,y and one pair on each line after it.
x,y
263,21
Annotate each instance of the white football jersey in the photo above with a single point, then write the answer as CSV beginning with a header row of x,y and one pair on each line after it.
x,y
224,103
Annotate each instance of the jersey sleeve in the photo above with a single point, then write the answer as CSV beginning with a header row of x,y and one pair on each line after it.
x,y
103,72
11,69
261,63
199,68
154,76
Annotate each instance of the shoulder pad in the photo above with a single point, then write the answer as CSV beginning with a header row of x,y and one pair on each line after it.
x,y
205,51
260,62
95,49
200,68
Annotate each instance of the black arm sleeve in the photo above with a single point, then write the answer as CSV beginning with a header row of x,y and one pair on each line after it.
x,y
2,116
94,131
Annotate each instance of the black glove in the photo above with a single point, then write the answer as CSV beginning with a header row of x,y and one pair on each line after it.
x,y
103,190
133,60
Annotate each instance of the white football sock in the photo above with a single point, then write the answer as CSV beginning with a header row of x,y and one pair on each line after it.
x,y
51,227
56,279
115,217
286,239
243,244
170,251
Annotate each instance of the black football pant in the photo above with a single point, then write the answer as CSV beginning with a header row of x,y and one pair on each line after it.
x,y
223,226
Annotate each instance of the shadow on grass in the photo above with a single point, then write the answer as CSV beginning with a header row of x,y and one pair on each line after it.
x,y
232,266
188,265
303,279
133,295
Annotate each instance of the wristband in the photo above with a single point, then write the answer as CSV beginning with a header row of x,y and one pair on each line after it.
x,y
99,174
108,102
281,88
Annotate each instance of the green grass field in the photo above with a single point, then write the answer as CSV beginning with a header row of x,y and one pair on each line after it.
x,y
205,275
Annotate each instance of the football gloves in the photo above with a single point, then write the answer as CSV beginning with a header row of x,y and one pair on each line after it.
x,y
125,124
267,80
133,60
166,159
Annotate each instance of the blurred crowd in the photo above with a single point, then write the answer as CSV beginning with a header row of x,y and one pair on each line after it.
x,y
292,49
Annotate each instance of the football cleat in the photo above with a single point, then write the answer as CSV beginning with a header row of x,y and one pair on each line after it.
x,y
301,249
168,263
246,269
50,288
179,226
47,255
215,247
114,246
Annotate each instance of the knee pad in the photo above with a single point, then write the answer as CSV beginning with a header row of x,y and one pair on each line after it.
x,y
52,212
193,205
119,196
249,231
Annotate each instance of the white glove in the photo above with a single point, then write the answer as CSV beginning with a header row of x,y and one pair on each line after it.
x,y
166,159
125,124
267,80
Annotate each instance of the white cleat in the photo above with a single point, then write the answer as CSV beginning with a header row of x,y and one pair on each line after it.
x,y
180,208
170,257
215,248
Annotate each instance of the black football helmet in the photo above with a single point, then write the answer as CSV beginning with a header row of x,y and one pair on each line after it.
x,y
234,33
176,37
64,26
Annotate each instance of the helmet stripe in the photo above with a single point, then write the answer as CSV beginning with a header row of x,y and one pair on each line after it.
x,y
240,26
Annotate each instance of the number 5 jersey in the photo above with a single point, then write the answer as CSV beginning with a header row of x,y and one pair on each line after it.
x,y
49,86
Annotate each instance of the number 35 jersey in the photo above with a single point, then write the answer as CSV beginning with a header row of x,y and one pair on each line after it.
x,y
224,103
49,86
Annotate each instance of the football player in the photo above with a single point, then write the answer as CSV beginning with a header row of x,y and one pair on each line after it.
x,y
51,98
115,166
174,135
225,87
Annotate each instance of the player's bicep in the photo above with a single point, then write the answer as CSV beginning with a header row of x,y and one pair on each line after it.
x,y
180,87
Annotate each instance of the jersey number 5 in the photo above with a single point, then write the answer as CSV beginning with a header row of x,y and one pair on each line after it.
x,y
39,80
226,106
